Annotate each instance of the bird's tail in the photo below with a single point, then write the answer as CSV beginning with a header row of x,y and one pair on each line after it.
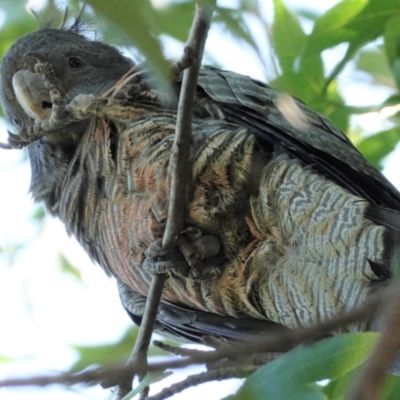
x,y
384,216
390,219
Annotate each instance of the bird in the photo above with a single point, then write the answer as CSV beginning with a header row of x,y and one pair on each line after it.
x,y
287,224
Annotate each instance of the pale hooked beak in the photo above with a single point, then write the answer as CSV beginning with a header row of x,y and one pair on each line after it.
x,y
32,94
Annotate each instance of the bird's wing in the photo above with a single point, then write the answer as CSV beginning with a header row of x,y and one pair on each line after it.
x,y
191,325
314,140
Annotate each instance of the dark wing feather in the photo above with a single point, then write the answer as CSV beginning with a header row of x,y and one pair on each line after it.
x,y
321,145
192,325
384,216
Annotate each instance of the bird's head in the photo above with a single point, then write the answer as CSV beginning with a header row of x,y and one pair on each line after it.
x,y
80,65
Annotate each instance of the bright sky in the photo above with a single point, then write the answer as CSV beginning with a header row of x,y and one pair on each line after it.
x,y
43,313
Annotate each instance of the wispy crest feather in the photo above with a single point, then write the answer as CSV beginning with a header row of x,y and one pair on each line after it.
x,y
55,17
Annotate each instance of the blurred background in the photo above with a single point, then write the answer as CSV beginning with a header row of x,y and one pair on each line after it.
x,y
58,311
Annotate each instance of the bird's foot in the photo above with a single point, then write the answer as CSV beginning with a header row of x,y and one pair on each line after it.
x,y
17,141
192,258
24,137
196,248
63,110
58,99
161,261
187,59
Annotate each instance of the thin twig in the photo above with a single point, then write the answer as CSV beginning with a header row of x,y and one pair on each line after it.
x,y
138,358
255,360
176,350
370,382
214,375
179,169
284,339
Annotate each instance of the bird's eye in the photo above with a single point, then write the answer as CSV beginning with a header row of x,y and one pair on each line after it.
x,y
75,62
15,121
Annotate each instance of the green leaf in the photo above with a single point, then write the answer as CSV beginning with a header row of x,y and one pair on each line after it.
x,y
4,359
38,214
351,50
133,18
378,146
164,19
392,46
353,21
371,21
375,63
252,6
356,22
111,353
312,71
18,23
295,85
68,268
338,388
303,75
105,354
292,376
304,85
334,108
331,28
288,36
150,378
392,388
233,20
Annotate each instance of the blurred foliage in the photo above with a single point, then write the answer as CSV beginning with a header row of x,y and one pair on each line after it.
x,y
110,353
293,376
68,268
337,388
370,30
375,63
377,146
150,378
4,359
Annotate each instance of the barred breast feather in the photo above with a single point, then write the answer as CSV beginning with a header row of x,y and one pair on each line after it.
x,y
296,246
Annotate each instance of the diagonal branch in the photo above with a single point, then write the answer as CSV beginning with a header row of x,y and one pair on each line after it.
x,y
268,344
180,170
194,380
179,165
370,382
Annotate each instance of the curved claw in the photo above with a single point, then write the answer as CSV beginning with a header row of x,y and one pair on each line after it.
x,y
192,233
16,141
155,250
204,272
160,261
195,256
163,267
197,251
32,58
